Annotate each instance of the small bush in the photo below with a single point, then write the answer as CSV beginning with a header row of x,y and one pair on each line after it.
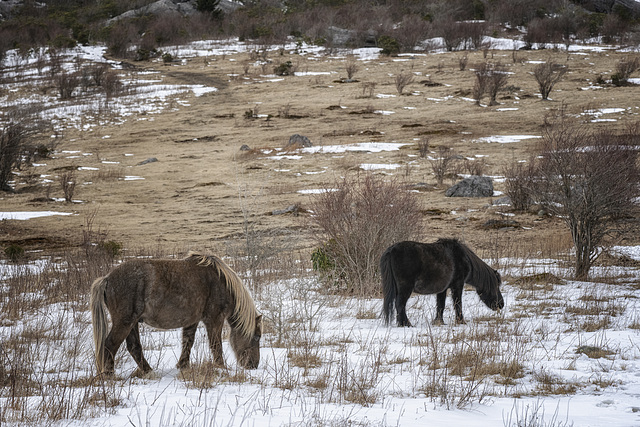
x,y
389,45
356,223
167,58
402,80
14,252
624,68
442,164
284,69
14,147
67,182
111,248
519,184
67,83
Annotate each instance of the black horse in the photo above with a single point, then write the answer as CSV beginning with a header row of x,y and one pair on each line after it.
x,y
432,268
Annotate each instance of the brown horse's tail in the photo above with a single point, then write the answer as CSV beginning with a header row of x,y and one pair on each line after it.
x,y
389,288
99,320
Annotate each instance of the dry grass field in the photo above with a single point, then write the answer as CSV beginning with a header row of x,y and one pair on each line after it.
x,y
203,191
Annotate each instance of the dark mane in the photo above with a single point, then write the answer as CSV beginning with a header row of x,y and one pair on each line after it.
x,y
482,277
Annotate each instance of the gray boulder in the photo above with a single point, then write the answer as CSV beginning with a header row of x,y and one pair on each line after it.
x,y
474,186
299,140
160,7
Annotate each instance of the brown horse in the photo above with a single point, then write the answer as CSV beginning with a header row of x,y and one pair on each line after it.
x,y
168,294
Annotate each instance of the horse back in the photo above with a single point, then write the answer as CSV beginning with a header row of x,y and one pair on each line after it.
x,y
165,294
428,267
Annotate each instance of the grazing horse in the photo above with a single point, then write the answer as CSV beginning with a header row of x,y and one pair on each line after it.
x,y
168,294
432,268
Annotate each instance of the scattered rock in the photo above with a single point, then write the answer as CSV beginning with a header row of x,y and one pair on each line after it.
x,y
502,201
474,186
299,140
149,160
294,209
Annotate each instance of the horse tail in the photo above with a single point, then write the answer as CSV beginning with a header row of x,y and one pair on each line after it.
x,y
99,320
389,286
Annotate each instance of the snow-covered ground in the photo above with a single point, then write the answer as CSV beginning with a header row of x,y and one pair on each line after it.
x,y
330,360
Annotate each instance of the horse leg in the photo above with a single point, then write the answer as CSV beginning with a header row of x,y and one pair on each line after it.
x,y
135,349
456,296
440,301
401,307
214,333
188,336
118,333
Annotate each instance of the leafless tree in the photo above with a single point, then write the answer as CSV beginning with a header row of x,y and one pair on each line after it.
x,y
547,75
590,179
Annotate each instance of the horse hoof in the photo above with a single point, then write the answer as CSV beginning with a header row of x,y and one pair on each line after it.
x,y
139,373
437,322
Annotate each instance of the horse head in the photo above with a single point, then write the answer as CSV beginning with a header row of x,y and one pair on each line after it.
x,y
491,295
247,347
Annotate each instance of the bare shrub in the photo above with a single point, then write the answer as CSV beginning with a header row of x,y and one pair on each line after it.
x,y
624,68
355,223
474,33
452,32
66,84
589,178
55,62
411,31
519,183
351,67
14,145
481,82
490,79
474,166
402,80
443,162
462,62
547,75
368,88
112,84
67,182
423,147
98,73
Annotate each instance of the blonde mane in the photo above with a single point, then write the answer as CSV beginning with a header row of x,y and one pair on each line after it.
x,y
244,311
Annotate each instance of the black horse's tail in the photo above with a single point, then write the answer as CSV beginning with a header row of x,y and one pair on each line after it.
x,y
389,288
